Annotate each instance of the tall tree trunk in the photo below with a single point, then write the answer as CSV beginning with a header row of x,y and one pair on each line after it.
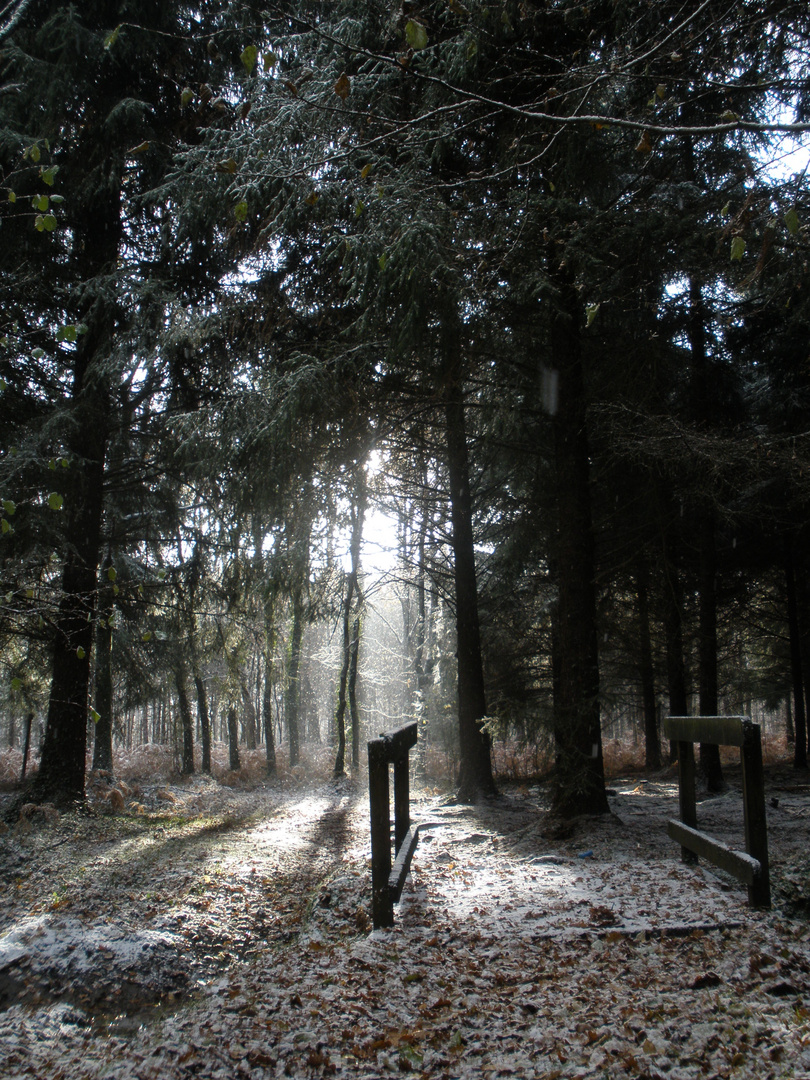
x,y
340,712
420,648
652,742
672,617
249,712
102,741
710,764
293,695
354,650
29,719
233,740
186,720
267,694
803,622
61,772
475,745
96,235
797,674
579,782
352,590
205,722
701,405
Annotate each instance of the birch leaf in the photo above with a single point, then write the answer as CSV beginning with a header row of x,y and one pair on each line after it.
x,y
248,57
416,35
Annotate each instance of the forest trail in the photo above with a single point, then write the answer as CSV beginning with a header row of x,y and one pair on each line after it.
x,y
225,933
132,912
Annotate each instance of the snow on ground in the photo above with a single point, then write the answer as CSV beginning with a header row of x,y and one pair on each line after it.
x,y
235,942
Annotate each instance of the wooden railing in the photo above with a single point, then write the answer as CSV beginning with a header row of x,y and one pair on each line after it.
x,y
387,880
750,866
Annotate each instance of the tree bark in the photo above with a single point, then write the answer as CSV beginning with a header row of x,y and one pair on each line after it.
x,y
186,720
29,719
97,232
234,763
267,696
475,777
293,696
349,662
102,741
249,712
354,651
62,767
579,782
797,674
701,404
205,722
420,661
672,617
803,623
710,764
340,712
652,742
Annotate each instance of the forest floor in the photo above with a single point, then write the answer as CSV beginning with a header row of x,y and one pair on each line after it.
x,y
213,931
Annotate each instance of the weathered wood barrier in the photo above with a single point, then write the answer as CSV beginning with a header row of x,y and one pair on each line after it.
x,y
750,866
387,880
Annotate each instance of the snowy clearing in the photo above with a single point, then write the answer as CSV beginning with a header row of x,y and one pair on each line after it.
x,y
226,933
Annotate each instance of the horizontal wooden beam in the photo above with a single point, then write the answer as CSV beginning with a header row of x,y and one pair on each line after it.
x,y
402,864
717,730
393,745
740,865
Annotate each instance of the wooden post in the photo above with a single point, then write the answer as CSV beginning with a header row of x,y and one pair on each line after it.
x,y
386,882
402,811
752,866
756,826
686,793
381,907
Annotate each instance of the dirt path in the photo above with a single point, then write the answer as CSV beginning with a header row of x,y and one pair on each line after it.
x,y
227,935
119,914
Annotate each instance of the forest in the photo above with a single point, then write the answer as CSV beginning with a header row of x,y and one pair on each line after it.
x,y
368,363
519,290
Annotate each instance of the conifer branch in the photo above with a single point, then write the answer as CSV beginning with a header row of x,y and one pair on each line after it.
x,y
597,120
13,12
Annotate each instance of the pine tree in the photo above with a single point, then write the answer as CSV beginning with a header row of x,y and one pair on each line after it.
x,y
92,264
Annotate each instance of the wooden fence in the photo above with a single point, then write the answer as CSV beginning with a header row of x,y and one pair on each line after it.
x,y
750,866
387,880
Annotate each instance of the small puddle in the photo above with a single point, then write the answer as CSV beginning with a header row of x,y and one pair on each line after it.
x,y
130,1024
122,1012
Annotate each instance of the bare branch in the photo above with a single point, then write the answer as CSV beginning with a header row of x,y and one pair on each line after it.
x,y
601,120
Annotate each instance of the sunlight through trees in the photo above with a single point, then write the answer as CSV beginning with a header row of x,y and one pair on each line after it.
x,y
361,365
